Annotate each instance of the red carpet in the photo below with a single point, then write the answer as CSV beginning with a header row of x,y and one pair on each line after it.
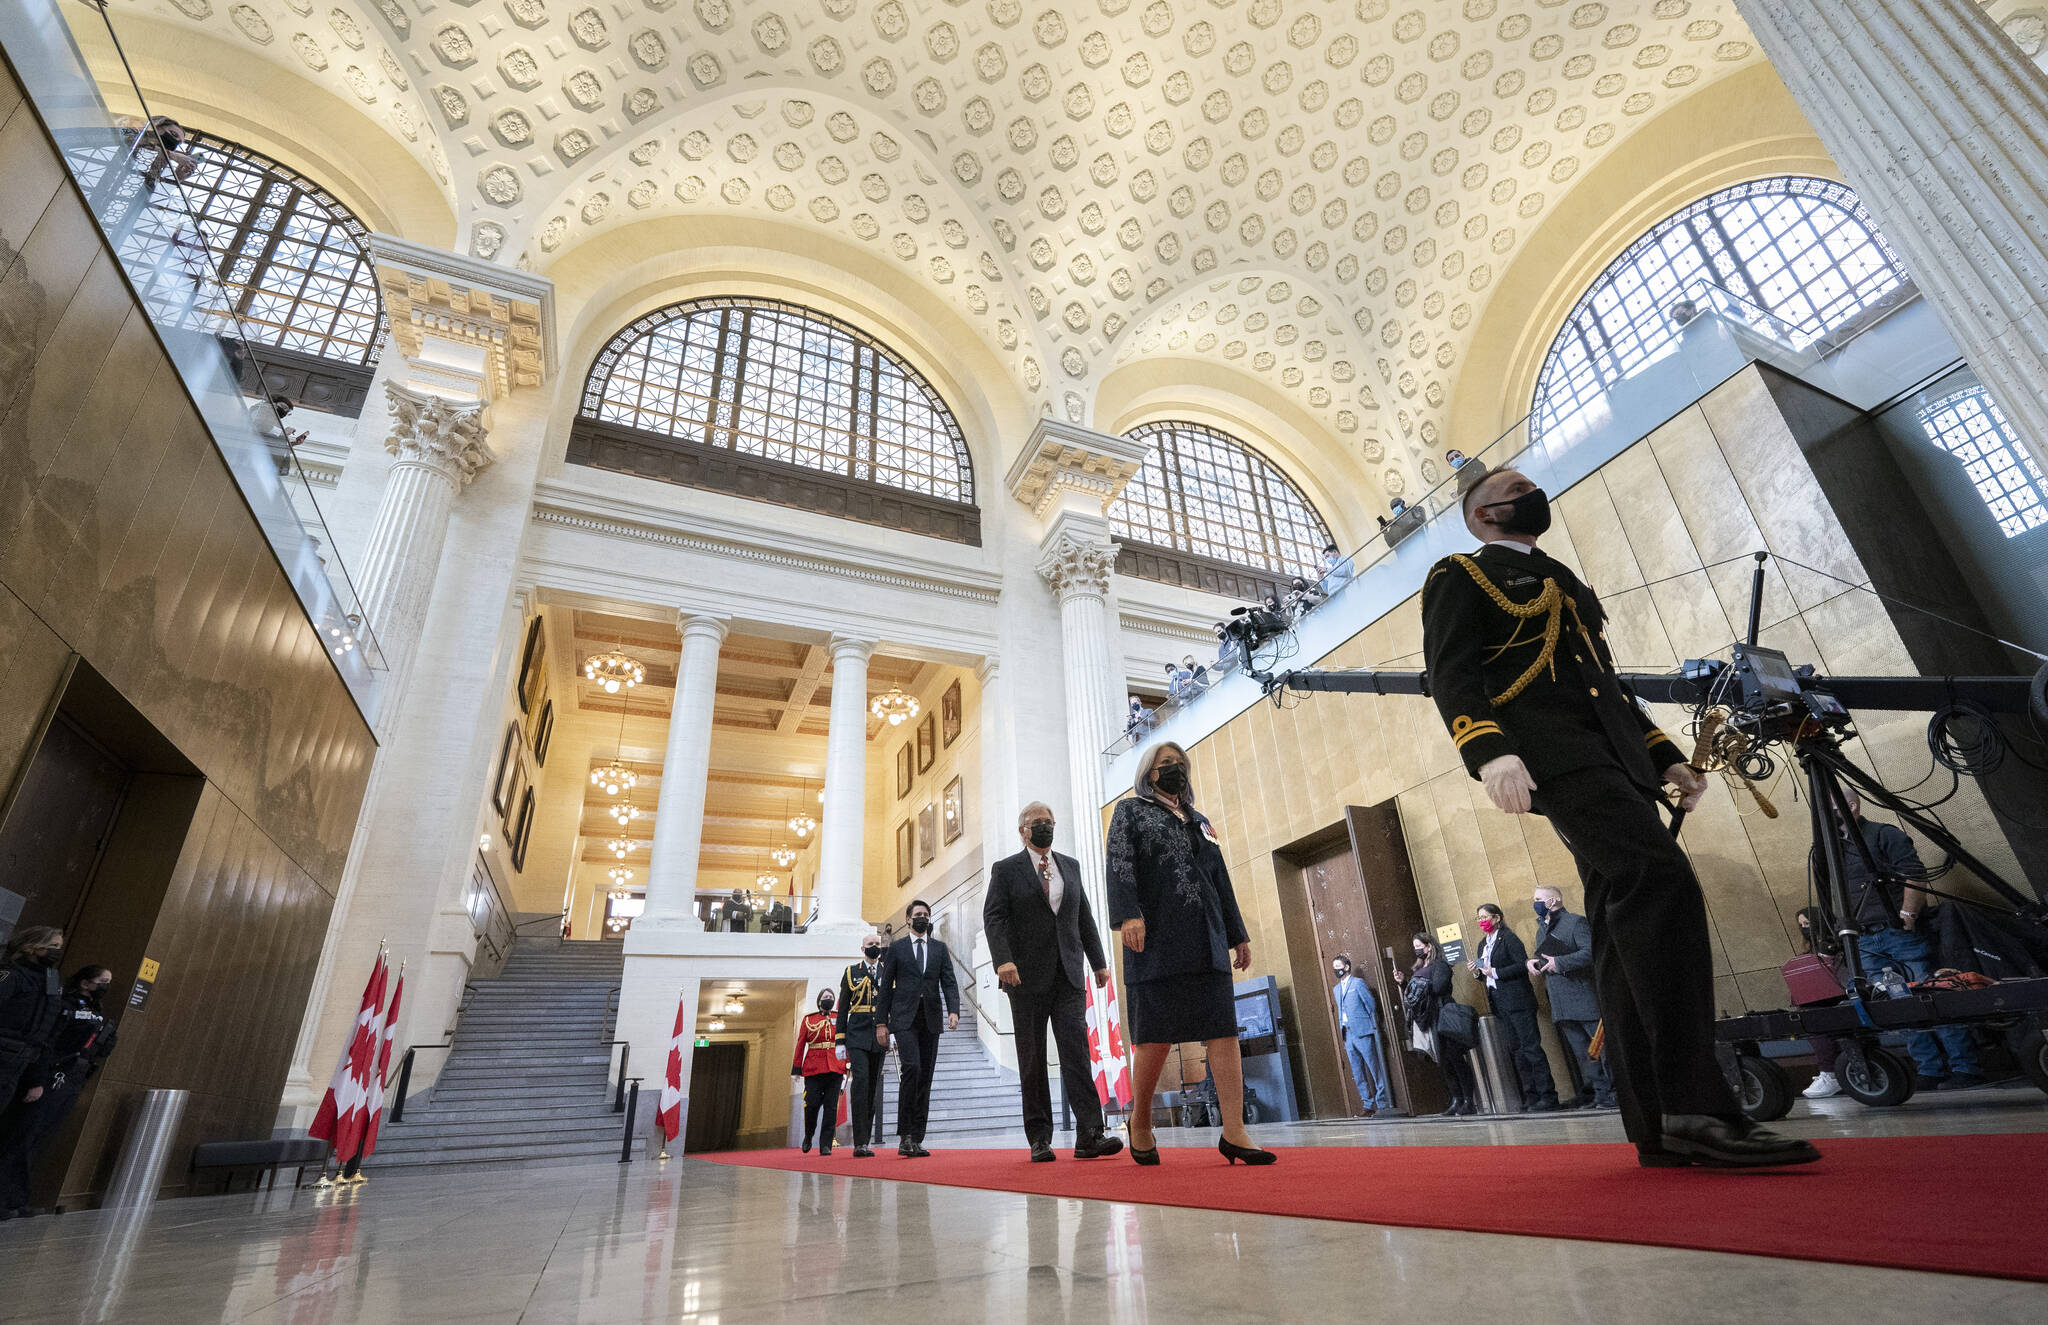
x,y
1948,1204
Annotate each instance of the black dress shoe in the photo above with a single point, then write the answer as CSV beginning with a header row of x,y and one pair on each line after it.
x,y
862,1152
806,1146
1041,1153
905,1150
1716,1143
824,1150
1098,1147
1249,1154
917,1151
1543,1106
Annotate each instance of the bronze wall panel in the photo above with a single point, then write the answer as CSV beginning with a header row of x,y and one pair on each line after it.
x,y
125,540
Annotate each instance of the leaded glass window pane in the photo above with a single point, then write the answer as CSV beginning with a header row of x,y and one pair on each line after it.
x,y
781,382
1804,250
1205,492
1969,425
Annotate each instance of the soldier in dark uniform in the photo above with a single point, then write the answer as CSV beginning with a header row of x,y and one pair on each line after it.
x,y
858,1015
1520,669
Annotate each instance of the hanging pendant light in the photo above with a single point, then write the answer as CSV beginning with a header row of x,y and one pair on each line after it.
x,y
619,875
623,813
733,1006
620,846
715,1025
614,777
801,823
783,856
894,708
614,671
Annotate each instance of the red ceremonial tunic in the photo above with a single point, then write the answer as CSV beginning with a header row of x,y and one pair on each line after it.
x,y
814,1046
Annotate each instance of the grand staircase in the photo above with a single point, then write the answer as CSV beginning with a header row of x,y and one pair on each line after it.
x,y
970,1093
526,1079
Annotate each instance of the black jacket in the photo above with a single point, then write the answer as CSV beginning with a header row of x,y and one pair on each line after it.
x,y
1568,710
857,1012
907,994
1022,928
1424,993
31,1000
1171,875
85,1036
1512,988
1572,997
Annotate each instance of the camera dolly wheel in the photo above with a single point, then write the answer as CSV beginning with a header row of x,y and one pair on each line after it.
x,y
1763,1088
1876,1077
2033,1056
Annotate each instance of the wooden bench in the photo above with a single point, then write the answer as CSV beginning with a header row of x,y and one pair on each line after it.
x,y
260,1157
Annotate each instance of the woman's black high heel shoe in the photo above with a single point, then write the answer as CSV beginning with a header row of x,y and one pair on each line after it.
x,y
1149,1158
1249,1154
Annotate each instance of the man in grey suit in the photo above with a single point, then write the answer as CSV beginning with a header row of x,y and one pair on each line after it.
x,y
1564,957
1043,941
1358,1017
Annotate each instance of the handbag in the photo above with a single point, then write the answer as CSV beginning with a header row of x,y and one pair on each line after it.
x,y
1811,977
1457,1021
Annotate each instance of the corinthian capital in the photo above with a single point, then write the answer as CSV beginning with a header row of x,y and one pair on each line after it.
x,y
445,435
1076,565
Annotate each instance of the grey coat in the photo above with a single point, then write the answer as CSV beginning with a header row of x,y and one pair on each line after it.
x,y
1571,987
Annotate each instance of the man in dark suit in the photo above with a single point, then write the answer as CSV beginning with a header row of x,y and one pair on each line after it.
x,y
1042,938
1564,958
917,979
1520,670
864,1039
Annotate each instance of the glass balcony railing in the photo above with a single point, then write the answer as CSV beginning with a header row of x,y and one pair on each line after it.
x,y
1717,336
129,170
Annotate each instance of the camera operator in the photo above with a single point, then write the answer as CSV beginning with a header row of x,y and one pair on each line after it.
x,y
1888,915
1519,668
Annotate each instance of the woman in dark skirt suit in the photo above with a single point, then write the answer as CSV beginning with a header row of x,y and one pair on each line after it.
x,y
1170,901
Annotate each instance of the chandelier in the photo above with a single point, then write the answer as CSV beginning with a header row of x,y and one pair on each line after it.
x,y
733,1006
614,777
801,823
715,1026
765,881
783,857
620,846
894,708
623,813
620,876
613,670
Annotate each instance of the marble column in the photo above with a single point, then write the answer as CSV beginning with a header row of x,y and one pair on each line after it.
x,y
1940,124
439,445
840,843
1077,560
685,777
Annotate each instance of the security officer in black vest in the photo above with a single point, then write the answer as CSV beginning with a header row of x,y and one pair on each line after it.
x,y
859,1014
1520,670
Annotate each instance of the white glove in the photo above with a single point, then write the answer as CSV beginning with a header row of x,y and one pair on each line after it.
x,y
1508,783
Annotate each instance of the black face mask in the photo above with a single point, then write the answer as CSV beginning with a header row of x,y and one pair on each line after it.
x,y
1421,955
825,1003
45,958
1340,971
873,954
1041,836
1171,779
1529,513
921,924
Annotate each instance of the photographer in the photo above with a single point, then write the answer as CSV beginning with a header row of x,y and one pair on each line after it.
x,y
1519,669
1889,916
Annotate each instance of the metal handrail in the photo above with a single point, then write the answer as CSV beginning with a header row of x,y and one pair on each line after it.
x,y
405,1077
556,919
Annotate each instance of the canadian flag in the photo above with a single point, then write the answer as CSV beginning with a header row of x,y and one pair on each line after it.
x,y
343,1113
1112,1069
383,1074
670,1115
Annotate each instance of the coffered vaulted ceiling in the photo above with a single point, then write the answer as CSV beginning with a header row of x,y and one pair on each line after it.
x,y
1319,193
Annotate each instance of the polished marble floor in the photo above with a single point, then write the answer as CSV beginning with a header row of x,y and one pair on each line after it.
x,y
698,1242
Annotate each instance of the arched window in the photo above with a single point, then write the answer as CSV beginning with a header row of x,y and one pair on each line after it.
x,y
1804,250
1969,425
1205,492
295,262
779,382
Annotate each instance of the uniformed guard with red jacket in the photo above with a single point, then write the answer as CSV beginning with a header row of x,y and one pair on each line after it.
x,y
818,1062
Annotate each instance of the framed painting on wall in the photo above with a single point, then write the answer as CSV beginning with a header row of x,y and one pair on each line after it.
x,y
903,775
515,789
949,716
954,809
544,733
927,742
508,759
903,846
927,839
530,666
